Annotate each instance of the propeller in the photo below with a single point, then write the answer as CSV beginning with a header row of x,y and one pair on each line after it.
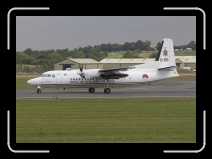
x,y
82,74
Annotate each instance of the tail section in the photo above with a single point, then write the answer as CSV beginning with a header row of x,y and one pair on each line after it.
x,y
166,55
165,60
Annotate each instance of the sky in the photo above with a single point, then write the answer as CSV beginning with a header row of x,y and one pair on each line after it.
x,y
60,32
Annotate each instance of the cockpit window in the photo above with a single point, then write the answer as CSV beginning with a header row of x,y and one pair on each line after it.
x,y
45,75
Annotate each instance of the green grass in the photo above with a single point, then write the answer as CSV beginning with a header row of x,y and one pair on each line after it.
x,y
150,120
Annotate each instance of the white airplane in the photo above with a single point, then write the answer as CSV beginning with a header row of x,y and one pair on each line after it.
x,y
162,68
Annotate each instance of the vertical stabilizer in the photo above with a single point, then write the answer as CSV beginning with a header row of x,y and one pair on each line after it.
x,y
166,56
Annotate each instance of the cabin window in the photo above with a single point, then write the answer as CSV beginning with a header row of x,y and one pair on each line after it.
x,y
65,74
53,75
45,75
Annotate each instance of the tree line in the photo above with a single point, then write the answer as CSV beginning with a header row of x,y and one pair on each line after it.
x,y
47,58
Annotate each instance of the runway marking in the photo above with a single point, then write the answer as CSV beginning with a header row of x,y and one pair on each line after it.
x,y
46,98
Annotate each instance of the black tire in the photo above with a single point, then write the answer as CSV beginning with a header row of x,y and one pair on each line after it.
x,y
38,91
91,90
107,90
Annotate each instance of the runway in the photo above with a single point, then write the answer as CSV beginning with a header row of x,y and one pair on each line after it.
x,y
166,88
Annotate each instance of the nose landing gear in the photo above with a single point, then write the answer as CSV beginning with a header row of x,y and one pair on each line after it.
x,y
39,91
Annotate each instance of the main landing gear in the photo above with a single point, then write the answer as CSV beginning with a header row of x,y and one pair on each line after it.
x,y
91,90
106,90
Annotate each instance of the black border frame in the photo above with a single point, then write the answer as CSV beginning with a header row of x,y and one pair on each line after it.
x,y
148,149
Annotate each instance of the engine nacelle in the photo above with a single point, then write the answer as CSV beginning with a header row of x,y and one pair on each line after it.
x,y
90,73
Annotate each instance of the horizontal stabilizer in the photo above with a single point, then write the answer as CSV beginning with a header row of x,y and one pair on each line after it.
x,y
171,68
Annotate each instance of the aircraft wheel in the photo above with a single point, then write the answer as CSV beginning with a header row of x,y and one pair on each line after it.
x,y
39,91
107,90
91,90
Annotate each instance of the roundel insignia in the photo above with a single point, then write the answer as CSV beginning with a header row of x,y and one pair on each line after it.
x,y
165,52
145,76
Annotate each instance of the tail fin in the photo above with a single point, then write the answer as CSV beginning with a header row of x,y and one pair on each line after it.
x,y
166,55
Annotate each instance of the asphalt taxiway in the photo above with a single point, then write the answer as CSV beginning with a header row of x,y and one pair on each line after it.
x,y
166,88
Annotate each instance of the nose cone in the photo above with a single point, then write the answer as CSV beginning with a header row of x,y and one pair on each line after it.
x,y
30,82
34,81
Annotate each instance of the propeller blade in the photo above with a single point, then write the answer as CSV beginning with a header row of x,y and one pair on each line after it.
x,y
82,74
81,69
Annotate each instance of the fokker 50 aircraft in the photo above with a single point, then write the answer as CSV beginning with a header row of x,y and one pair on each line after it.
x,y
162,68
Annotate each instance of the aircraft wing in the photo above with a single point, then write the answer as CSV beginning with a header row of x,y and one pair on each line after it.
x,y
113,73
